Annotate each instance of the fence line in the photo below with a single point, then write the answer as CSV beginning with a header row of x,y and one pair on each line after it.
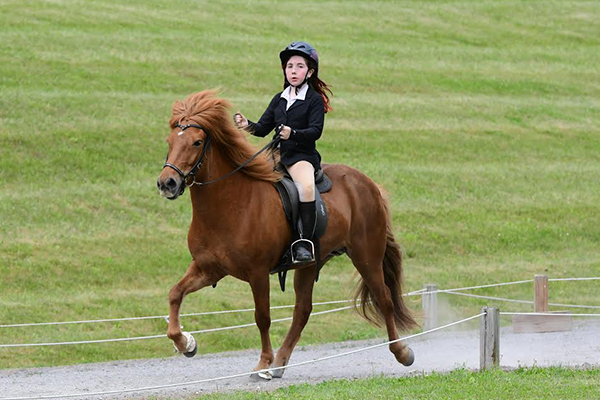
x,y
484,286
172,385
414,293
573,279
489,297
551,314
163,336
573,306
518,301
418,292
164,316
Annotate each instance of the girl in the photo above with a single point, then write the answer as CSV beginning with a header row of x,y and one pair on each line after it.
x,y
298,112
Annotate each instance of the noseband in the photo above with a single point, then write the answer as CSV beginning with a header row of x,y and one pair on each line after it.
x,y
198,164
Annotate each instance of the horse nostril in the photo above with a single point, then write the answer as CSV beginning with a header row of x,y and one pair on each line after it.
x,y
171,184
158,184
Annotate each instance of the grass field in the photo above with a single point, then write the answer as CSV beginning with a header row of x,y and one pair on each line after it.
x,y
526,384
481,118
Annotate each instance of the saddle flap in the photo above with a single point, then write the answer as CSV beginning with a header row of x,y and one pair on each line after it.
x,y
289,197
291,205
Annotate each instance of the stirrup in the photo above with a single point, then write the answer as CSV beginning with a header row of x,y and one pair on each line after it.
x,y
312,252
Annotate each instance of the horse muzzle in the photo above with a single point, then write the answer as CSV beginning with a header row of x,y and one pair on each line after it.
x,y
170,187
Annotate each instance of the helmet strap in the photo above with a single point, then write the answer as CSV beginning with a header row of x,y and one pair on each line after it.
x,y
306,77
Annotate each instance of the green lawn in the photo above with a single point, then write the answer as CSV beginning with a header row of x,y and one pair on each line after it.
x,y
525,384
481,118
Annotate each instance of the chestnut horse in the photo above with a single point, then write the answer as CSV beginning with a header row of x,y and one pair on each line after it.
x,y
239,228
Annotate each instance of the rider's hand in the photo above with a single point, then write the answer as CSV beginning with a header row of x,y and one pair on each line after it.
x,y
285,132
240,120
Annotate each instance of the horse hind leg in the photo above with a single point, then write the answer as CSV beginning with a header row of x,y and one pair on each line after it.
x,y
380,292
194,279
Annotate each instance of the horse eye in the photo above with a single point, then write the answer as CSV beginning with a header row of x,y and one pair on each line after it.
x,y
197,143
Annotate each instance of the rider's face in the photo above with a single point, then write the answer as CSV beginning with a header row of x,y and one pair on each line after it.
x,y
296,70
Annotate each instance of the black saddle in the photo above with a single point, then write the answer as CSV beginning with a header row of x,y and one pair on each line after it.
x,y
291,205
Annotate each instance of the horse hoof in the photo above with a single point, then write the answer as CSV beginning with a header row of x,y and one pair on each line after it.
x,y
278,373
190,354
191,347
411,358
261,376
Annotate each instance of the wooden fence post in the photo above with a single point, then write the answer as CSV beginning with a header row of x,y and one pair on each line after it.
x,y
541,323
489,338
429,300
540,293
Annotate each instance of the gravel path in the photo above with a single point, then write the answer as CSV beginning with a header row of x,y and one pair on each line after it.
x,y
442,351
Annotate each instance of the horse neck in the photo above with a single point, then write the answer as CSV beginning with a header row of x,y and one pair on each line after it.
x,y
235,186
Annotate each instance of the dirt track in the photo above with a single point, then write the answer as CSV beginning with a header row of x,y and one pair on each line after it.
x,y
443,351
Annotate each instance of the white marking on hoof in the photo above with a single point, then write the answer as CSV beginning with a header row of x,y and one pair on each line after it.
x,y
261,376
267,376
190,343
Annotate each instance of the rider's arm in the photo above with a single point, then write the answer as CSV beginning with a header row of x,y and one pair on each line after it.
x,y
316,119
266,123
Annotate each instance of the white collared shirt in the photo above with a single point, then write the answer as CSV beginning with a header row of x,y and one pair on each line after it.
x,y
300,96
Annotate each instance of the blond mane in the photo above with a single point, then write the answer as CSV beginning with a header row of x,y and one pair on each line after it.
x,y
205,109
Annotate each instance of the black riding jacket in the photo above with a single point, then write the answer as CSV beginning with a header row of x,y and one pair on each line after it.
x,y
305,117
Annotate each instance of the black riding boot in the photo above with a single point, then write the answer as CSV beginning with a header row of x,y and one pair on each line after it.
x,y
303,251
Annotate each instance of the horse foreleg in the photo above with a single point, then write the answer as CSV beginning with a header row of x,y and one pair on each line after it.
x,y
304,280
194,279
262,315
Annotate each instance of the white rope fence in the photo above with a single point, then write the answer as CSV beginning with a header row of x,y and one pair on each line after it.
x,y
165,317
455,291
225,328
573,306
573,279
486,297
414,293
483,286
515,300
551,314
173,385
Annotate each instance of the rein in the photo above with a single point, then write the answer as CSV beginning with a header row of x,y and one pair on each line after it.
x,y
200,161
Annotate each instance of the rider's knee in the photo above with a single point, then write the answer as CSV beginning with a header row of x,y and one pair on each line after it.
x,y
309,192
305,191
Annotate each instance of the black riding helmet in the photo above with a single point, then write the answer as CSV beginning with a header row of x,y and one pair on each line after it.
x,y
300,49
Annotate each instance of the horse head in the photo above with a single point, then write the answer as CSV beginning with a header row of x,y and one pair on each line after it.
x,y
188,147
199,122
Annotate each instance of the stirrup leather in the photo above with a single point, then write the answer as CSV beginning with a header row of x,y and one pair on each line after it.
x,y
312,252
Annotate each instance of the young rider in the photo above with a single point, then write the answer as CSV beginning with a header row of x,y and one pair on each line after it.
x,y
298,114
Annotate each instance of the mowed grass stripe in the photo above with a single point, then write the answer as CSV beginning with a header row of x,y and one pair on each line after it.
x,y
523,383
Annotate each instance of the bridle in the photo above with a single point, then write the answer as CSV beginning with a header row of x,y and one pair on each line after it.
x,y
200,161
196,166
